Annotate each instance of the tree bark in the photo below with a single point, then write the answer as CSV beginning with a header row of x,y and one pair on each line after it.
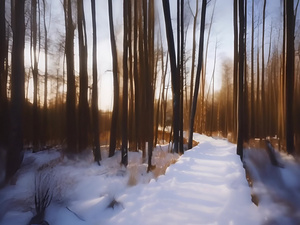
x,y
45,122
4,121
175,75
290,65
263,101
193,56
235,67
15,155
71,89
36,132
95,110
199,68
240,137
114,119
252,120
124,155
83,121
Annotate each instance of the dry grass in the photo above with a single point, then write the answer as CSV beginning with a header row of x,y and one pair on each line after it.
x,y
133,171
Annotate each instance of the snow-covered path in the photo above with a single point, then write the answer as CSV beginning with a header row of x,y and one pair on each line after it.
x,y
206,186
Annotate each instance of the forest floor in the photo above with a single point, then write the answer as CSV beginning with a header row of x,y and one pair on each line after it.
x,y
206,185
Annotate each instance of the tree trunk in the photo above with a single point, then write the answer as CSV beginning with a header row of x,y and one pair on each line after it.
x,y
175,75
14,155
35,114
4,121
246,105
235,68
199,68
114,119
46,79
263,101
124,155
181,150
241,131
290,65
193,56
135,74
95,110
252,120
71,89
83,121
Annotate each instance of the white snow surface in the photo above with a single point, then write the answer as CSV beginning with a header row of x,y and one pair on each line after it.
x,y
207,185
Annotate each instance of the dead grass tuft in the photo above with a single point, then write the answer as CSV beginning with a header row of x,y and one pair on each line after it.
x,y
133,171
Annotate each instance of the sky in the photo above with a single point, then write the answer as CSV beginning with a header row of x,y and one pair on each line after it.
x,y
221,35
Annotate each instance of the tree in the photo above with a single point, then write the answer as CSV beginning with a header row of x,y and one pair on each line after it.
x,y
290,65
240,137
181,70
195,16
3,78
83,102
252,120
95,117
14,155
263,101
235,65
35,71
114,119
175,75
124,154
199,68
71,90
45,128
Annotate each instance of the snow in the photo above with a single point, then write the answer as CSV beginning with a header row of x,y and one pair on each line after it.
x,y
206,185
277,188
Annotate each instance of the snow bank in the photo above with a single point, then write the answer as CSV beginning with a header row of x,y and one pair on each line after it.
x,y
277,188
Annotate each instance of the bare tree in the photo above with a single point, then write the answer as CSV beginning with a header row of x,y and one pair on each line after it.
x,y
95,116
71,89
83,102
252,120
3,77
199,68
45,111
235,65
124,154
263,101
290,65
175,75
34,32
114,119
14,155
241,131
